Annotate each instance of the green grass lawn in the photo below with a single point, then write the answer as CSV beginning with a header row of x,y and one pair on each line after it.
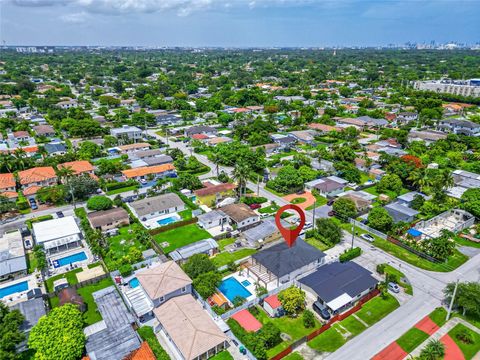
x,y
391,270
328,341
468,349
71,277
354,326
320,202
31,262
122,190
91,316
147,334
291,326
293,356
269,209
318,244
185,214
298,200
465,242
377,308
181,236
412,339
224,355
225,242
227,257
119,246
438,316
364,177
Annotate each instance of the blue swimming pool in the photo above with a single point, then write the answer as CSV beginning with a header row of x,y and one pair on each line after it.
x,y
246,283
12,289
67,260
134,283
168,220
231,288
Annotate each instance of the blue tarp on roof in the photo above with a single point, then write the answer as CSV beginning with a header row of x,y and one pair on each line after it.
x,y
414,232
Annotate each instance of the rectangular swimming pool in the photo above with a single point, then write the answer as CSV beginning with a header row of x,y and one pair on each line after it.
x,y
134,283
168,220
12,289
231,288
70,259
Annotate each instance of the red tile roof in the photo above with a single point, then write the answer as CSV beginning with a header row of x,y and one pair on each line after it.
x,y
247,320
7,181
215,189
142,171
36,174
273,301
78,167
144,352
199,136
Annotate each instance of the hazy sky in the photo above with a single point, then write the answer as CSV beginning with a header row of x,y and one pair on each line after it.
x,y
237,23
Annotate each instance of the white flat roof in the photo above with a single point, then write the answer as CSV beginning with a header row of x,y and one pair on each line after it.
x,y
55,229
340,301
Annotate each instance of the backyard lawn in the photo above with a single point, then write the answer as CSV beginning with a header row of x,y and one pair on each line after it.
x,y
120,245
224,355
222,243
181,236
377,308
412,339
31,262
226,257
328,341
70,276
469,349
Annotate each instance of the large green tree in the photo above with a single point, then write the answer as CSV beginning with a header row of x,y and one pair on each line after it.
x,y
10,333
467,297
344,208
380,219
58,335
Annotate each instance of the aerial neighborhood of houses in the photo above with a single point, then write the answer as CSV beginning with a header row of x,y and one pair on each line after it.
x,y
140,199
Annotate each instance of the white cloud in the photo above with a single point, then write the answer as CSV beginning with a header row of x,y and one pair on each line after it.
x,y
75,18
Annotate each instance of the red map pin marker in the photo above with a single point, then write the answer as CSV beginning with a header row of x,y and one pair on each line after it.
x,y
290,235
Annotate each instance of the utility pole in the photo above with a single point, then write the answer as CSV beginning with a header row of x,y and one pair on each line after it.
x,y
314,206
353,231
258,185
453,299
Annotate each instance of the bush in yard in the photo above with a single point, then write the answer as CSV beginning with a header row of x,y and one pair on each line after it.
x,y
198,264
206,283
381,268
350,254
125,270
253,342
232,266
433,350
270,334
59,335
99,203
249,200
308,319
329,231
380,219
464,336
40,257
218,310
292,300
238,301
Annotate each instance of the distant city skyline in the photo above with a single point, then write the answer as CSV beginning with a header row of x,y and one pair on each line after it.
x,y
237,23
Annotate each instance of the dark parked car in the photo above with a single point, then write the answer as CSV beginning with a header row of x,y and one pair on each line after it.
x,y
300,192
255,206
321,310
330,202
33,206
60,214
331,213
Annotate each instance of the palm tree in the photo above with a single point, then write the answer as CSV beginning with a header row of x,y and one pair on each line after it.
x,y
64,173
216,158
240,174
433,351
447,179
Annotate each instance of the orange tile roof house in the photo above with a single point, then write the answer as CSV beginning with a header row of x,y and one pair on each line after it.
x,y
143,172
38,176
191,331
7,182
78,167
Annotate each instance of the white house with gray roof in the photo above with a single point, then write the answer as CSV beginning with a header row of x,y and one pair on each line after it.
x,y
12,255
151,207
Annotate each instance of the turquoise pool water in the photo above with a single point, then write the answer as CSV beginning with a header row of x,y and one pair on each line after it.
x,y
232,288
168,220
70,259
134,283
12,289
246,283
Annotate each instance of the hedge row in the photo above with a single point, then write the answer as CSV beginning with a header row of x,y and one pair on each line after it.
x,y
29,222
173,226
350,254
120,185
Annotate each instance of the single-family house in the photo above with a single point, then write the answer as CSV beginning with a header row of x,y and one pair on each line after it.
x,y
339,286
8,185
78,167
273,306
285,142
67,104
214,141
152,161
131,148
264,232
406,117
44,130
12,255
182,254
157,205
361,204
322,128
145,154
105,220
401,212
37,178
328,187
164,281
21,135
58,234
212,219
427,136
241,215
460,127
32,310
200,129
213,193
463,180
304,136
188,330
407,199
155,172
281,263
127,132
55,148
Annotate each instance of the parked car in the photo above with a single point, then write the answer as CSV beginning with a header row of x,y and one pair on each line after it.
x,y
330,202
33,206
308,225
321,310
255,206
263,216
143,181
393,287
32,201
60,214
331,213
367,237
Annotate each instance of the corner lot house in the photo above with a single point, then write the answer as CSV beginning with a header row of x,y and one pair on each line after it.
x,y
12,255
57,235
164,281
339,285
108,219
191,332
327,187
157,205
281,264
241,215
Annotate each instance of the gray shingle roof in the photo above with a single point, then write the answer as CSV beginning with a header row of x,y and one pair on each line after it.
x,y
156,203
